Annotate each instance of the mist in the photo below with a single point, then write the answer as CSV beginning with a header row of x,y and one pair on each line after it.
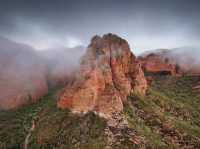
x,y
187,58
26,74
62,63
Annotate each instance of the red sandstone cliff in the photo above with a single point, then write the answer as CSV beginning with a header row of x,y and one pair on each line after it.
x,y
108,73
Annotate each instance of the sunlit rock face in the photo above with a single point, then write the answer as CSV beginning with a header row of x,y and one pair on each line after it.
x,y
108,73
22,75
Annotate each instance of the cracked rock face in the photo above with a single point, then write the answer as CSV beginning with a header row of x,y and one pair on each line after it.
x,y
108,73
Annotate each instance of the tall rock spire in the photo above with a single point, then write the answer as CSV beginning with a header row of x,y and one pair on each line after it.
x,y
108,73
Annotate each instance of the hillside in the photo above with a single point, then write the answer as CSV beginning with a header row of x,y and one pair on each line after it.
x,y
168,117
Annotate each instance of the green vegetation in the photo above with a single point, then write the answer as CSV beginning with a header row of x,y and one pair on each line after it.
x,y
150,139
55,128
15,124
169,116
65,130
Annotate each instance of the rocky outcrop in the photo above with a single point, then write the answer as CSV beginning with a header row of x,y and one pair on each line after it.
x,y
22,75
177,61
108,73
158,64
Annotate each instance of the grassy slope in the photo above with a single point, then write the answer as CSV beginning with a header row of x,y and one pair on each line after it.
x,y
168,117
54,127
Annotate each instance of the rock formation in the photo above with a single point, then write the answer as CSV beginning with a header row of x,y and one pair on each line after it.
x,y
22,75
177,61
108,73
157,64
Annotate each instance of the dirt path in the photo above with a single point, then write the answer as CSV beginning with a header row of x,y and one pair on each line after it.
x,y
26,142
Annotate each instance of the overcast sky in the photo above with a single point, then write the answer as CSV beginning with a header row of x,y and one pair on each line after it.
x,y
149,24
